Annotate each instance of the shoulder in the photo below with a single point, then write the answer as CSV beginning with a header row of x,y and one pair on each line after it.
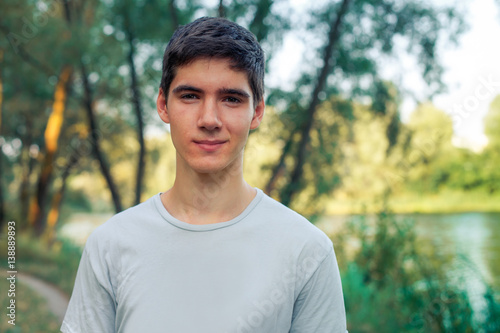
x,y
300,243
123,225
293,227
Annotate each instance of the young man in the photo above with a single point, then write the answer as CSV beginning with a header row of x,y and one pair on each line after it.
x,y
212,254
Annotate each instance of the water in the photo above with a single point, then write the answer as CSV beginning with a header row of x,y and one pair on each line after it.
x,y
472,239
475,236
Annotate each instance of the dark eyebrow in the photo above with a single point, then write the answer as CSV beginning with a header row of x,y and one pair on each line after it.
x,y
231,91
185,87
222,91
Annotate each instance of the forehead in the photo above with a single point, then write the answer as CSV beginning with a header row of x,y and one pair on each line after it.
x,y
212,71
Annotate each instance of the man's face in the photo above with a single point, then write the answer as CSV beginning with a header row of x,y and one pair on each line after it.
x,y
210,110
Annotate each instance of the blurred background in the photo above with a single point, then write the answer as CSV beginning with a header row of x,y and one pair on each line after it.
x,y
382,127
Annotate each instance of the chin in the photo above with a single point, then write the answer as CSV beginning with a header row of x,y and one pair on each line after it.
x,y
205,167
212,164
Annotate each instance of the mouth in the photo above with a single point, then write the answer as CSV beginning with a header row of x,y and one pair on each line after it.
x,y
210,145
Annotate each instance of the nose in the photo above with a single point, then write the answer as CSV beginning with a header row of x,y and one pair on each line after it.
x,y
209,116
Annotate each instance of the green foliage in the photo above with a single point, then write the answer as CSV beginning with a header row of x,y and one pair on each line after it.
x,y
263,19
431,132
32,314
394,282
367,31
492,312
102,34
461,170
57,264
492,124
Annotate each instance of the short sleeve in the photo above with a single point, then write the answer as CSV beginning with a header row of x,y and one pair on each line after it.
x,y
92,305
319,307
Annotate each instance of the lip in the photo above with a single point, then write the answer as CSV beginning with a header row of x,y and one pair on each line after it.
x,y
210,145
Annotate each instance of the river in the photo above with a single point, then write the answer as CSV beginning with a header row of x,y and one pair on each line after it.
x,y
471,239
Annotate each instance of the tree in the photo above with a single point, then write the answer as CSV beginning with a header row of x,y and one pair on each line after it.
x,y
27,90
359,32
161,23
51,138
492,124
431,130
114,53
43,27
427,145
488,164
2,211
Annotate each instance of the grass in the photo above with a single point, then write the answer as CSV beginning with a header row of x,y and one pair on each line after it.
x,y
32,314
57,265
445,201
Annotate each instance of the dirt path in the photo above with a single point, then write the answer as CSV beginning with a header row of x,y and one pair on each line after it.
x,y
57,301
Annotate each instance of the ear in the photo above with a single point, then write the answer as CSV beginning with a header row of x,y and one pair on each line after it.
x,y
161,107
258,114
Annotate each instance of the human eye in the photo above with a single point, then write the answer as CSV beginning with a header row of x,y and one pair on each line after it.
x,y
232,100
189,96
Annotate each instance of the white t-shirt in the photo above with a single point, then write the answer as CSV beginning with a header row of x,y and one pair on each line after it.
x,y
267,270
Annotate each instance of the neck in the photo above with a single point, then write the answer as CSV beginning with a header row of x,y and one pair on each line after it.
x,y
205,198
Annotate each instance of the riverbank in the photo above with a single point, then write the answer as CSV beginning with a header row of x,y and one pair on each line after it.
x,y
427,203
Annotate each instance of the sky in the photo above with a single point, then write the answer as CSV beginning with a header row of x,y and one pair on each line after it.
x,y
472,71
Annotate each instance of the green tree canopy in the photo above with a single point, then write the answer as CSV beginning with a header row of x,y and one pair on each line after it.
x,y
492,123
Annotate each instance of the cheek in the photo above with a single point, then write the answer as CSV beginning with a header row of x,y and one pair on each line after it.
x,y
174,138
241,133
239,122
177,131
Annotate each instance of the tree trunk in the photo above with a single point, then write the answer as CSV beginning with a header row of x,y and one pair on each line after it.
x,y
173,14
67,11
51,136
136,101
87,102
27,165
257,25
57,199
280,166
294,185
2,212
221,10
95,137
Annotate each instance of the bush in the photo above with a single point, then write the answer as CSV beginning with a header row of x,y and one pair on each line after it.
x,y
393,283
57,264
32,314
